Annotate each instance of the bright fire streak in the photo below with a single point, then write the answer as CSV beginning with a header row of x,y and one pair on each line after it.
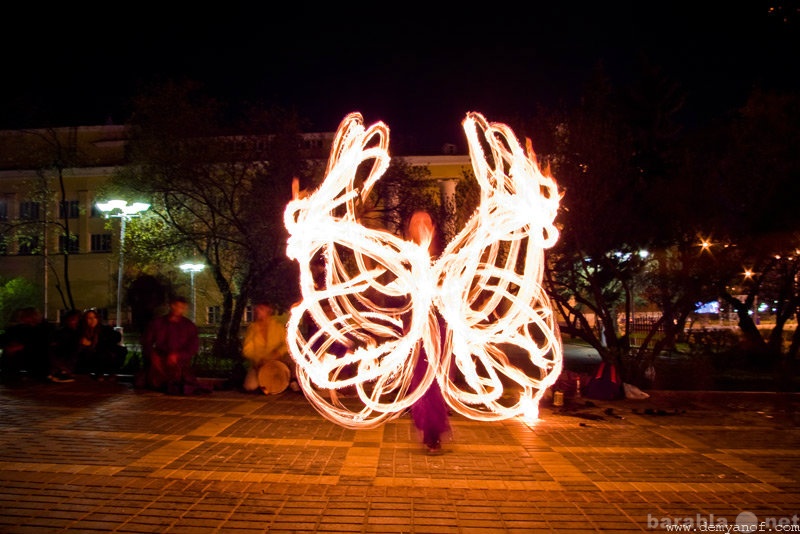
x,y
381,294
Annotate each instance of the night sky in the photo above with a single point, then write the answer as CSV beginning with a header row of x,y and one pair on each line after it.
x,y
417,67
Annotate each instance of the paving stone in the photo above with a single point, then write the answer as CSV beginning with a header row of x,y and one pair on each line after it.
x,y
84,458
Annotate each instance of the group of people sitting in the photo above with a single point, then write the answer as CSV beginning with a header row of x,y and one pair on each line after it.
x,y
80,344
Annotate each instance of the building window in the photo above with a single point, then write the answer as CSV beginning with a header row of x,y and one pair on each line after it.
x,y
69,209
28,245
214,315
70,245
95,212
101,242
248,314
29,211
3,210
312,144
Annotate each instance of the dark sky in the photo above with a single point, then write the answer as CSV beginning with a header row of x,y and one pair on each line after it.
x,y
418,67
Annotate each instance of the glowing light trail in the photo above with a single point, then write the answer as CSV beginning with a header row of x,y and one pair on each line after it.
x,y
381,294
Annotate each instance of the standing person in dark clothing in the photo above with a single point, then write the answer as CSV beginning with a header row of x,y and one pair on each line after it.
x,y
169,344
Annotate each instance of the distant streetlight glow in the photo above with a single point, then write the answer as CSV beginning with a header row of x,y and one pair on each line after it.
x,y
121,210
748,274
193,268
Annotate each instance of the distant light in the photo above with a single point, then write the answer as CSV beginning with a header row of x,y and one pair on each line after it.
x,y
707,307
121,210
112,205
192,267
122,207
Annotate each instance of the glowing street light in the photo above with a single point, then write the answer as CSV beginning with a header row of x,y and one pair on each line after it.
x,y
121,210
192,268
749,274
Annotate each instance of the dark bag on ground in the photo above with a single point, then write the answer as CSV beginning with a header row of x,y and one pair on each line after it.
x,y
605,384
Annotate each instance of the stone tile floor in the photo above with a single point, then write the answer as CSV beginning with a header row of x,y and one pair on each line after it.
x,y
103,457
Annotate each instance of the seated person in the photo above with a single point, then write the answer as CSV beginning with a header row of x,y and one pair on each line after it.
x,y
100,352
64,348
264,348
168,346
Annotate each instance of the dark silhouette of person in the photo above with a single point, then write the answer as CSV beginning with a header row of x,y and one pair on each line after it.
x,y
64,348
99,350
26,345
146,295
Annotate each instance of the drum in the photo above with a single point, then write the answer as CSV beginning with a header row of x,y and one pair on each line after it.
x,y
273,377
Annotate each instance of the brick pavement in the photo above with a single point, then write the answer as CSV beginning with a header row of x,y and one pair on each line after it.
x,y
100,457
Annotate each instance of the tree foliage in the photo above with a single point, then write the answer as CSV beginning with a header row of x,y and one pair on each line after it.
x,y
15,293
52,154
218,182
634,180
752,221
616,157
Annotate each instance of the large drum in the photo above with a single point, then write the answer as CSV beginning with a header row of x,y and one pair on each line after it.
x,y
273,377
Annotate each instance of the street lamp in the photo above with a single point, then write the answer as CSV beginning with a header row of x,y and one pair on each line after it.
x,y
121,210
193,268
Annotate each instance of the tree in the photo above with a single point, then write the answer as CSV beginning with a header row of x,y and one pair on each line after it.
x,y
754,220
406,188
592,267
218,181
402,189
15,293
52,154
616,157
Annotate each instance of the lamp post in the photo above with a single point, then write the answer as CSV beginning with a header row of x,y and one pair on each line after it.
x,y
121,210
192,268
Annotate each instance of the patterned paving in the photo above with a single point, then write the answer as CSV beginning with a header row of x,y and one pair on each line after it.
x,y
102,457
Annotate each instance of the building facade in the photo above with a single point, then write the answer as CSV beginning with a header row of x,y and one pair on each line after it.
x,y
39,168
